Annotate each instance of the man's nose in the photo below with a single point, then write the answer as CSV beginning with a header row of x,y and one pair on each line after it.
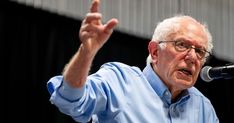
x,y
191,55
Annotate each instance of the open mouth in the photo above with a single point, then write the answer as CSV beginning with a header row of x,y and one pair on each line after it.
x,y
186,71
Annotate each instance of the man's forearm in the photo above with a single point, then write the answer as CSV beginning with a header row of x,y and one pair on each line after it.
x,y
77,70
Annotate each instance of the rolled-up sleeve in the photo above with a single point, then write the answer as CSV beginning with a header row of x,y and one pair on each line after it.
x,y
64,90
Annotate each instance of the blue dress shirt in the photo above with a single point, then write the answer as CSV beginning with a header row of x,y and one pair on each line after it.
x,y
118,93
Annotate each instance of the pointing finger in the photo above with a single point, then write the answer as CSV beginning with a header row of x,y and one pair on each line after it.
x,y
94,6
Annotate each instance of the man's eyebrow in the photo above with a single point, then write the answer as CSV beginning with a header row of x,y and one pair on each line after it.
x,y
189,42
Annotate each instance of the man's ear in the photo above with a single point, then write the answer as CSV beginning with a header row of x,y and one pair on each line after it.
x,y
153,50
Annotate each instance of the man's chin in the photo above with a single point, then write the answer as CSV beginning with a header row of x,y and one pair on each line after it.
x,y
185,82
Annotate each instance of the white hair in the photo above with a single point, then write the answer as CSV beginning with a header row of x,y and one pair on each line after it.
x,y
172,25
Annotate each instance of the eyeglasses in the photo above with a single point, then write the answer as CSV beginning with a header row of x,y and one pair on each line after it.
x,y
182,46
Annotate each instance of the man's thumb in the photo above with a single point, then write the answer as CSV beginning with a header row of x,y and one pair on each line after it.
x,y
109,26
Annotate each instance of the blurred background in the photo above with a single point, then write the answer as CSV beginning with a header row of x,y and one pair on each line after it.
x,y
38,37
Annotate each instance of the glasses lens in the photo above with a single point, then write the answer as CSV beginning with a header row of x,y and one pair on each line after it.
x,y
200,52
181,46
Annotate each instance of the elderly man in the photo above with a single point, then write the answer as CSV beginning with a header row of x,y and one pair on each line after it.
x,y
163,92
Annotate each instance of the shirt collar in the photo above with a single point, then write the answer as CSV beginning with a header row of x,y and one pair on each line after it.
x,y
159,87
156,83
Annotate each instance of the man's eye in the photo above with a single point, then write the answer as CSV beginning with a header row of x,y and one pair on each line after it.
x,y
182,44
200,51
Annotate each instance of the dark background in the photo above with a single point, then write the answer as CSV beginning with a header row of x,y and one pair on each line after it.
x,y
35,45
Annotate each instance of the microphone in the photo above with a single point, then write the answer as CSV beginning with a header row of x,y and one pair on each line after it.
x,y
209,73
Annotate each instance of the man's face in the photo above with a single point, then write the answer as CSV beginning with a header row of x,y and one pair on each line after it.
x,y
179,70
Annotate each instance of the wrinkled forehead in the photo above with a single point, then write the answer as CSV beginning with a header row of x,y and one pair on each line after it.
x,y
193,31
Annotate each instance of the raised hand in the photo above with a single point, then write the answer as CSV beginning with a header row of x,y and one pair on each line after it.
x,y
93,34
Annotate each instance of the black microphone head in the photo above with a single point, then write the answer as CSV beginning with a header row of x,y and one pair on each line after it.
x,y
204,74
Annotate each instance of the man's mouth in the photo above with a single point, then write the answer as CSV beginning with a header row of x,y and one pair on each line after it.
x,y
186,71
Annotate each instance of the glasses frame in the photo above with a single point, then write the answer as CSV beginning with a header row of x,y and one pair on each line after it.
x,y
188,47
